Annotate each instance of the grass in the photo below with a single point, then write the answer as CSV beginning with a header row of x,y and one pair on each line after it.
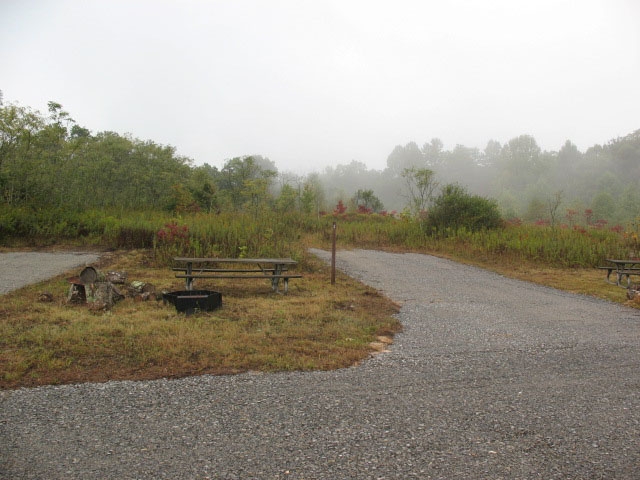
x,y
315,327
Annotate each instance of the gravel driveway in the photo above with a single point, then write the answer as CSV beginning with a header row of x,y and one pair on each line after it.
x,y
491,378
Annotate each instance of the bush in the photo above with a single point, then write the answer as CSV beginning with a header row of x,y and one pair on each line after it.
x,y
456,209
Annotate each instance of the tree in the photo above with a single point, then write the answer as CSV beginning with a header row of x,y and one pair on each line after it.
x,y
603,206
455,209
432,153
366,202
461,165
243,181
404,157
520,163
203,189
287,199
535,210
568,161
312,197
491,153
421,185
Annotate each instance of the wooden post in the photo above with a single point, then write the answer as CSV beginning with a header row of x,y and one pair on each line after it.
x,y
333,255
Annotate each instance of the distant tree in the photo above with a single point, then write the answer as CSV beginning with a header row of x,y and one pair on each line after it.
x,y
404,157
629,202
625,155
432,153
265,164
568,160
535,210
366,202
523,150
461,165
520,164
182,200
420,184
603,206
491,153
203,188
287,200
312,197
79,132
244,181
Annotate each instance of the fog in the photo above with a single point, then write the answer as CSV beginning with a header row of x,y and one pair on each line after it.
x,y
601,183
333,84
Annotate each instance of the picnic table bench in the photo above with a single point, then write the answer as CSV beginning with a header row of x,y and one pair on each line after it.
x,y
273,269
622,268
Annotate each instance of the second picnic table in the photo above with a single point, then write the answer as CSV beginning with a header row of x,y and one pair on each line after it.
x,y
273,269
622,268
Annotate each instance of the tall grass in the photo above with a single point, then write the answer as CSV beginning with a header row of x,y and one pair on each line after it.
x,y
268,233
561,247
232,235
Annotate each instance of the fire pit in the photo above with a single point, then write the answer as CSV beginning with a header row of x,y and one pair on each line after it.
x,y
188,301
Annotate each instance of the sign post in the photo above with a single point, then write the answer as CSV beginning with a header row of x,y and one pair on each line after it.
x,y
333,255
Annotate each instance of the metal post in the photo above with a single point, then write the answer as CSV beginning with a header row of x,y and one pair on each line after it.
x,y
333,255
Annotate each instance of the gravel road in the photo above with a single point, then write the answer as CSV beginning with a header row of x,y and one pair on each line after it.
x,y
491,378
18,269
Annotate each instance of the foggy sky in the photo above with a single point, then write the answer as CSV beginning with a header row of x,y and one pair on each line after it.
x,y
316,83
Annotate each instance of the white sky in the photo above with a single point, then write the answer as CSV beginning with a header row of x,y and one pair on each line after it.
x,y
316,83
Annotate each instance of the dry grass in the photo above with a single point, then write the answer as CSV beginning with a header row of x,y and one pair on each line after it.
x,y
315,326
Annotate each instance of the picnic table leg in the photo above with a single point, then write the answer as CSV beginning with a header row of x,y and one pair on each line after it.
x,y
609,275
609,272
275,282
189,278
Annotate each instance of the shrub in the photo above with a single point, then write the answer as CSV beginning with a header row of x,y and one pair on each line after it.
x,y
456,209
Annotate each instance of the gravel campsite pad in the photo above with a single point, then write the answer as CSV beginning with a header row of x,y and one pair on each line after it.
x,y
491,378
18,269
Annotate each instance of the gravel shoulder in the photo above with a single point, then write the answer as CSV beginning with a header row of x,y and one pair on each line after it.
x,y
491,378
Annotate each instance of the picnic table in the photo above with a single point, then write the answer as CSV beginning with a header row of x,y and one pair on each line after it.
x,y
622,268
273,269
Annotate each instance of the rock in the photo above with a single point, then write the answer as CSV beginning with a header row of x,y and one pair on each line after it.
x,y
45,297
118,278
137,288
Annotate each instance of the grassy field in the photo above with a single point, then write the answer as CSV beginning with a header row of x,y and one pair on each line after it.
x,y
316,326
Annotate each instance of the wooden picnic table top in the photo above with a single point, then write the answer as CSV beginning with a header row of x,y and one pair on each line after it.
x,y
624,262
279,261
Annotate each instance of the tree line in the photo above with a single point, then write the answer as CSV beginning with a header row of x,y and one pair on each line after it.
x,y
48,160
526,182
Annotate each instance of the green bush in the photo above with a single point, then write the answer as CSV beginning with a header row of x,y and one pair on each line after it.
x,y
456,209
